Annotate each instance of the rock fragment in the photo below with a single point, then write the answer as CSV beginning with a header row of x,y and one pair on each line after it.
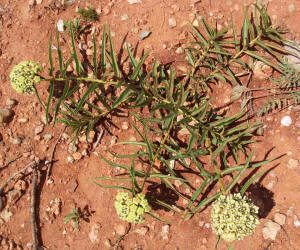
x,y
270,230
293,163
280,218
172,23
94,233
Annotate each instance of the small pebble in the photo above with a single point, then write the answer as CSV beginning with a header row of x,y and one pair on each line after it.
x,y
280,218
38,129
286,121
124,17
179,50
70,159
125,125
23,120
77,156
165,229
16,141
47,137
60,25
113,140
172,23
293,163
11,102
270,230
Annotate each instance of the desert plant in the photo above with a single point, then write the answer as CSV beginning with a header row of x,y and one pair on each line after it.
x,y
178,125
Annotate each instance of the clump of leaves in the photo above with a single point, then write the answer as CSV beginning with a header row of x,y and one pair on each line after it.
x,y
73,216
88,14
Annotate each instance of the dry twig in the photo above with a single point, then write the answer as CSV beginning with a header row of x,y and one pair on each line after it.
x,y
32,210
52,154
10,178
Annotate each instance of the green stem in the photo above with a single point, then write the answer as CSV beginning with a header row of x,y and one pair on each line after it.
x,y
86,79
166,136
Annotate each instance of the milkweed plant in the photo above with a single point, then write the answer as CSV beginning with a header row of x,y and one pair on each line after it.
x,y
174,104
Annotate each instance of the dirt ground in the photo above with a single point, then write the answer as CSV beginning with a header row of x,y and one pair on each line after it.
x,y
25,29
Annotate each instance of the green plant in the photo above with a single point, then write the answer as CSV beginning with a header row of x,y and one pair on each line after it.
x,y
178,125
78,28
73,216
88,14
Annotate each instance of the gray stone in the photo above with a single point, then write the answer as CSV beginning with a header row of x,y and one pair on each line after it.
x,y
270,230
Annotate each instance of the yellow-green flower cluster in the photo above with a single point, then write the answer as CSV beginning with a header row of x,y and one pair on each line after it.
x,y
234,217
131,209
24,75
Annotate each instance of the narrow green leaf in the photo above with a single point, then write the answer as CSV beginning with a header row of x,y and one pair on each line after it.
x,y
113,57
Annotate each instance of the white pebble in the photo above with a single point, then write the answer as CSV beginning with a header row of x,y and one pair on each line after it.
x,y
286,121
60,25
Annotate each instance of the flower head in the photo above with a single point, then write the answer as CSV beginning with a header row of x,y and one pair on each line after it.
x,y
131,209
234,217
24,75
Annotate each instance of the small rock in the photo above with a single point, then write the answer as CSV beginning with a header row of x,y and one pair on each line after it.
x,y
70,159
31,2
93,235
125,125
207,225
296,221
23,120
134,1
120,229
6,214
144,34
48,137
293,163
16,141
77,156
91,136
89,52
113,140
196,23
5,115
142,231
60,25
39,129
165,229
261,70
270,230
280,218
286,121
39,1
124,17
177,183
11,102
179,50
172,23
292,8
